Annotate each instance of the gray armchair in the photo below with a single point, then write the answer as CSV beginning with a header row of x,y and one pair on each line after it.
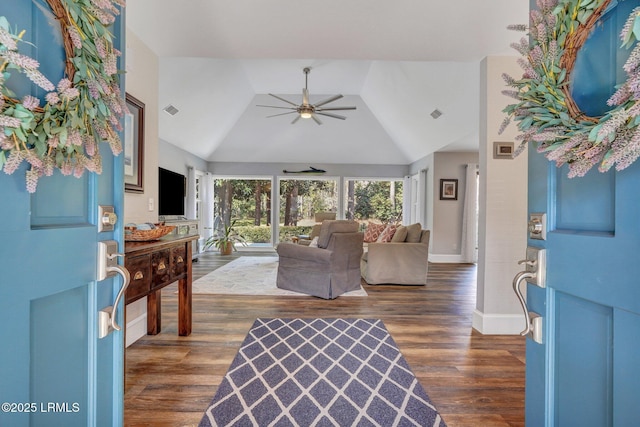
x,y
326,271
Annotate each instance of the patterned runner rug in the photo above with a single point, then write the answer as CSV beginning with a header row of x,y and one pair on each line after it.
x,y
249,275
320,372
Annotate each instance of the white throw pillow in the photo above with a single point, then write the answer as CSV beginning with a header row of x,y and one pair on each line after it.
x,y
314,242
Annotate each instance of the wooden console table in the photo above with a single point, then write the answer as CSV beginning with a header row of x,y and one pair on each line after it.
x,y
154,265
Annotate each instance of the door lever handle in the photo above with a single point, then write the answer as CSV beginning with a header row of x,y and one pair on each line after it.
x,y
534,273
108,267
126,277
522,277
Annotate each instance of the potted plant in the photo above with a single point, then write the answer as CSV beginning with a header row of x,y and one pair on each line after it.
x,y
225,241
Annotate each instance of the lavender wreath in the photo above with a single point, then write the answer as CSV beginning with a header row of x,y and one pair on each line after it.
x,y
82,110
546,112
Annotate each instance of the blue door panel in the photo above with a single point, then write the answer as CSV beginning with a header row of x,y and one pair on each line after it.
x,y
583,363
53,209
586,204
53,373
49,297
535,358
586,371
626,336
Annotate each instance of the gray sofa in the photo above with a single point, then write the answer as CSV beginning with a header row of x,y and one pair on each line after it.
x,y
328,270
398,262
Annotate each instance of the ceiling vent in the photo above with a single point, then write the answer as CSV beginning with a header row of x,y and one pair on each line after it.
x,y
170,109
436,113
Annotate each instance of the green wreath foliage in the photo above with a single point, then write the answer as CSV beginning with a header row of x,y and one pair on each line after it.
x,y
84,109
545,112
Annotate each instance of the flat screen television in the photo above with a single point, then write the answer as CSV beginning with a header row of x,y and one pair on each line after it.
x,y
171,192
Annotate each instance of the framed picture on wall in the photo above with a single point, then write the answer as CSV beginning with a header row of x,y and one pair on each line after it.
x,y
448,189
134,145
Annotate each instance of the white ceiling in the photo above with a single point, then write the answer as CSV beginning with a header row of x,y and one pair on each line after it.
x,y
395,61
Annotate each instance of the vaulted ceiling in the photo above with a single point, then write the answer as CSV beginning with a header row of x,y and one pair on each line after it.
x,y
395,61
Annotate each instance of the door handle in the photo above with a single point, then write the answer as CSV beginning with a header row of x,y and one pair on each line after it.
x,y
534,273
126,278
108,267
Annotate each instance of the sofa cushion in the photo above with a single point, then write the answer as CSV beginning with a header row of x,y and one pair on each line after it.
x,y
414,233
387,234
373,231
400,235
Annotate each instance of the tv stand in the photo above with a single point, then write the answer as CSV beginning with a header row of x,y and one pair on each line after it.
x,y
184,227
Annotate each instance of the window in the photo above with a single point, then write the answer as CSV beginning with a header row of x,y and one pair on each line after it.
x,y
248,202
300,201
373,200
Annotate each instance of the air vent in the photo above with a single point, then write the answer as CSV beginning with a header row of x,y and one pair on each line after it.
x,y
171,110
436,113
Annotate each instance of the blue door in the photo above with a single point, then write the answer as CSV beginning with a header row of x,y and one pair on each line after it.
x,y
54,369
586,371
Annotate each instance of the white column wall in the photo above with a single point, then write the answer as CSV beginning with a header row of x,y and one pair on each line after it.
x,y
503,208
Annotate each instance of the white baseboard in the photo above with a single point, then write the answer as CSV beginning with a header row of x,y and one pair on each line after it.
x,y
136,329
498,324
443,258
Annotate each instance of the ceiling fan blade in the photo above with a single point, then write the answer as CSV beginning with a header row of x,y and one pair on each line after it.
x,y
295,120
328,100
335,108
281,114
283,100
274,106
305,96
317,120
335,116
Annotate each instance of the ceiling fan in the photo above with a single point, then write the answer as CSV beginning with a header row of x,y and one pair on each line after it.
x,y
306,110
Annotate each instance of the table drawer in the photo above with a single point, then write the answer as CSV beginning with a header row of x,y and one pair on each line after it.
x,y
160,268
178,261
140,272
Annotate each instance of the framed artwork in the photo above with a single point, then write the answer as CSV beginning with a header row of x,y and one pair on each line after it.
x,y
448,189
502,150
134,146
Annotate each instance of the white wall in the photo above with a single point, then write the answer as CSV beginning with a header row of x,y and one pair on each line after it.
x,y
444,217
141,81
177,160
447,214
503,208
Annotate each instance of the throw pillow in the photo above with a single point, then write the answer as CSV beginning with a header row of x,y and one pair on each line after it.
x,y
387,234
400,235
373,231
314,242
414,231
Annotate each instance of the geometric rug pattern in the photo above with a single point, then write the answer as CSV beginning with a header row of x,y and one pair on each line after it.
x,y
320,372
249,276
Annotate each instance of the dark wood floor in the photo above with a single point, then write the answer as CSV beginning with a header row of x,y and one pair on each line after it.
x,y
474,380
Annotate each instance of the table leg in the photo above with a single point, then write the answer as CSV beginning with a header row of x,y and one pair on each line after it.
x,y
185,298
154,315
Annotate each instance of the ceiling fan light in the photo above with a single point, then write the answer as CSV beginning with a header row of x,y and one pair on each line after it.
x,y
305,115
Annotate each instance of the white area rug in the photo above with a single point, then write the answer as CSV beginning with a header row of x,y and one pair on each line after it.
x,y
249,276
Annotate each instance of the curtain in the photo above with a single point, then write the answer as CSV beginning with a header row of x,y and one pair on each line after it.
x,y
422,199
191,193
207,199
469,246
406,200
